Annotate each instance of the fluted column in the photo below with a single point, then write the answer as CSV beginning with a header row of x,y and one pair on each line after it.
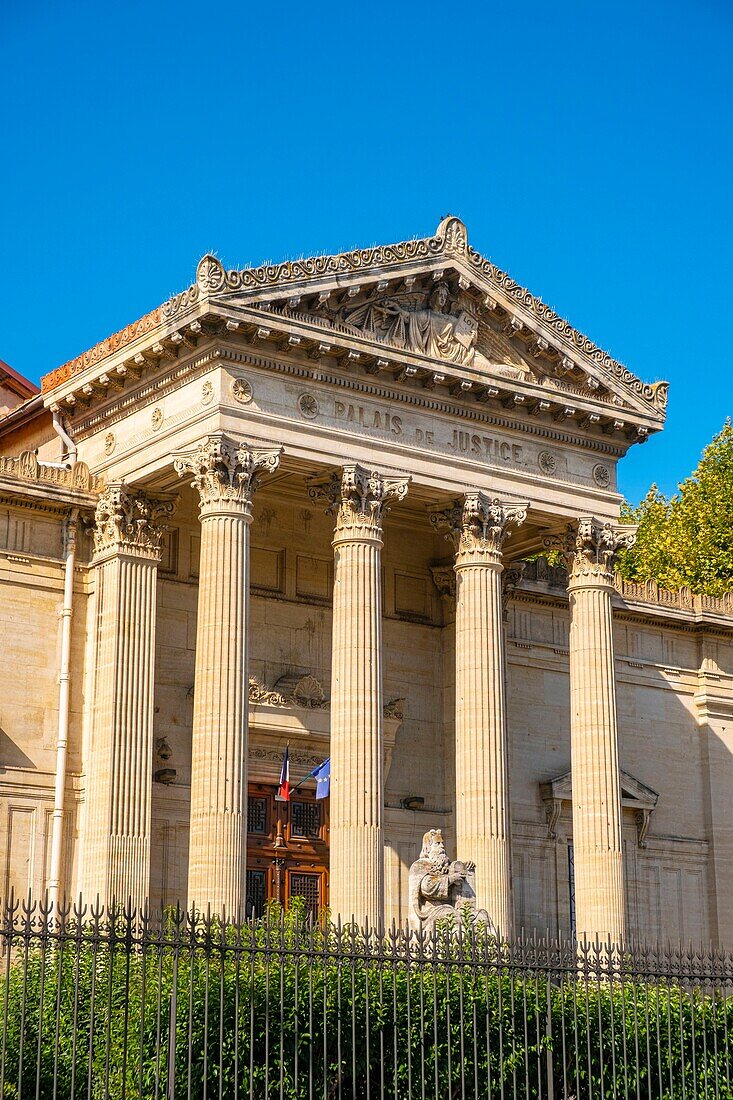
x,y
225,473
359,497
479,527
597,844
128,529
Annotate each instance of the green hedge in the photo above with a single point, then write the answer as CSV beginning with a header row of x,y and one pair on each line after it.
x,y
281,1015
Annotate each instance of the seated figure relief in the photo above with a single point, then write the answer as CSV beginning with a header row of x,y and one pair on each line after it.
x,y
442,889
419,324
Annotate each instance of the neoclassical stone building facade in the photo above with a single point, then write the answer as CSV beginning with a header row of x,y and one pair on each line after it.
x,y
302,504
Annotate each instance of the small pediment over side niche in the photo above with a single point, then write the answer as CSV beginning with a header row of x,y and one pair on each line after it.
x,y
635,796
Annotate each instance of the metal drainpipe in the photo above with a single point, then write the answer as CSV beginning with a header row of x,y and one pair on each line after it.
x,y
57,834
58,427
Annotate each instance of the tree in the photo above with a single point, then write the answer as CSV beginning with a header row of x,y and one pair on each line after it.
x,y
687,540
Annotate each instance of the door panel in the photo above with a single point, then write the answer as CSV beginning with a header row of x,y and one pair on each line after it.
x,y
287,849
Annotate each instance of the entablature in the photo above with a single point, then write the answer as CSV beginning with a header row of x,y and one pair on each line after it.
x,y
280,338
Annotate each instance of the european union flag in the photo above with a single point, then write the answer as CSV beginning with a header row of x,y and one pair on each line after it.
x,y
322,776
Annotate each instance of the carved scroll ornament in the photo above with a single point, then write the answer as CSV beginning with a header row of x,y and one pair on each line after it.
x,y
226,472
130,521
479,525
359,496
590,548
258,693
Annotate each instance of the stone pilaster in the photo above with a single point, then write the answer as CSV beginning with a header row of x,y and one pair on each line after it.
x,y
589,548
359,497
226,474
128,529
714,701
479,527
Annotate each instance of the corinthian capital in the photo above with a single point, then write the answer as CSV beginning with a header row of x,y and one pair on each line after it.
x,y
479,525
590,547
358,496
129,521
226,473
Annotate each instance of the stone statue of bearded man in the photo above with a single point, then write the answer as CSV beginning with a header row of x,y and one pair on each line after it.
x,y
441,889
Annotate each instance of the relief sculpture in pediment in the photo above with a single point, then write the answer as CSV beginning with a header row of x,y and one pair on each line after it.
x,y
431,324
409,322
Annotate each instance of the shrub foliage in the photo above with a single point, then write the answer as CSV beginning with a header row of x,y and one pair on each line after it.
x,y
687,540
278,1010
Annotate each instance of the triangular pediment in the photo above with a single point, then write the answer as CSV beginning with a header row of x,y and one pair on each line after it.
x,y
440,299
634,794
434,309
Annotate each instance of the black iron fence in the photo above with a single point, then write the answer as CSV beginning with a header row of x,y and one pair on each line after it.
x,y
175,1005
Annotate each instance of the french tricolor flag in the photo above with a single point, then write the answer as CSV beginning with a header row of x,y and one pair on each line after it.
x,y
283,793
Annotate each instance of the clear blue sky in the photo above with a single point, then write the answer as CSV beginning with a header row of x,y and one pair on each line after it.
x,y
588,147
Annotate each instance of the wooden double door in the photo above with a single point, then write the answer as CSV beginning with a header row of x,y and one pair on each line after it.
x,y
287,849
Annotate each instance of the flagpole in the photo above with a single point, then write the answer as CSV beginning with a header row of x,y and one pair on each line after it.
x,y
310,775
303,780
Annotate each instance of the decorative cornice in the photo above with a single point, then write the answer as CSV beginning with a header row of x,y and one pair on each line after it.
x,y
47,507
104,348
655,393
359,497
226,473
127,521
165,382
212,277
450,241
479,526
590,548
